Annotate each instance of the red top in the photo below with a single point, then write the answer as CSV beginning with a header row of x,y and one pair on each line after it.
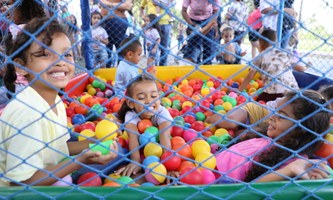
x,y
254,19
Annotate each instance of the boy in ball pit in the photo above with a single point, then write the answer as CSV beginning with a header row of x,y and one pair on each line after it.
x,y
143,102
276,69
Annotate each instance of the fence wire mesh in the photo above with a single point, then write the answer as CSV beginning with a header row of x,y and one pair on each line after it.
x,y
194,129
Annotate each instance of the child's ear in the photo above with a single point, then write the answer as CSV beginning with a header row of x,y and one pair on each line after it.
x,y
19,69
129,54
130,104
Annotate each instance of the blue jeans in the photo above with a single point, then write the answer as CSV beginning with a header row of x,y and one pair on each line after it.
x,y
165,37
116,28
100,56
198,43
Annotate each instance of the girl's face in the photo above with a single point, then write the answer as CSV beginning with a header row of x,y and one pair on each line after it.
x,y
145,93
95,19
278,124
48,68
228,36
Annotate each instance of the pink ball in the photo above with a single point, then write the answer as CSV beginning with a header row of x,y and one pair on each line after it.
x,y
213,148
66,181
100,94
150,178
208,176
233,95
197,109
190,135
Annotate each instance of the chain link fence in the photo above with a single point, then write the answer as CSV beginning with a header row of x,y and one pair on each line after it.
x,y
204,50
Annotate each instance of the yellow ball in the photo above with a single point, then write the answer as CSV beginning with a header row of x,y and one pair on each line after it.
x,y
92,91
252,90
158,171
211,127
89,86
112,177
166,101
222,112
329,137
255,85
152,149
206,159
210,84
199,146
184,82
125,135
84,97
187,103
205,91
227,106
87,133
106,130
220,132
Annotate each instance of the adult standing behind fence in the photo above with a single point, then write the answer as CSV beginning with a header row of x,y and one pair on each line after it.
x,y
152,7
198,14
236,18
116,22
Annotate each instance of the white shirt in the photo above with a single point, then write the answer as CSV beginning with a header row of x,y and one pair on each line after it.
x,y
161,115
269,20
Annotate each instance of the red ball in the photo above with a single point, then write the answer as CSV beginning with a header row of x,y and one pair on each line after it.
x,y
143,124
89,179
88,125
198,126
217,95
177,131
191,176
189,119
170,161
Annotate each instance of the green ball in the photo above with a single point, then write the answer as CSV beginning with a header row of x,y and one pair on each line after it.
x,y
199,116
224,139
125,180
171,95
226,98
213,140
218,108
233,101
96,84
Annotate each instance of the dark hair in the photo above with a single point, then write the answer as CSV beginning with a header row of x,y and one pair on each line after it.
x,y
256,3
129,93
327,92
17,48
268,36
153,23
309,108
29,10
96,13
129,44
227,29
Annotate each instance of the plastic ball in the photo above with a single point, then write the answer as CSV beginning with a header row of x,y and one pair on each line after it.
x,y
206,159
204,91
170,160
218,108
111,184
191,176
233,95
177,131
146,137
108,93
198,126
184,150
150,159
213,139
185,164
152,130
189,135
199,116
143,124
199,146
227,106
89,179
213,148
177,140
66,181
187,103
221,131
103,147
87,133
78,119
147,184
208,176
106,130
166,102
156,173
111,178
125,180
152,149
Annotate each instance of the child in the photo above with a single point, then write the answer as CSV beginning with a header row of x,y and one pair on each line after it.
x,y
130,50
295,126
231,52
143,102
275,69
33,125
100,36
254,21
153,38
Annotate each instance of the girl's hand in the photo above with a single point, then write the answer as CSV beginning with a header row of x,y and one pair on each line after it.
x,y
243,53
172,175
308,169
130,169
213,119
154,50
90,157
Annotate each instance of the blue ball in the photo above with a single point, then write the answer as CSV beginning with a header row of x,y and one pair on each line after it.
x,y
147,184
150,159
146,137
78,119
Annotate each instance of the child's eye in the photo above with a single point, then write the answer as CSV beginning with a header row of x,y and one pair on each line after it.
x,y
68,55
41,54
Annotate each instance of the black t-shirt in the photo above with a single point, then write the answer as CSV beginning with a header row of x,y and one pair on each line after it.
x,y
288,21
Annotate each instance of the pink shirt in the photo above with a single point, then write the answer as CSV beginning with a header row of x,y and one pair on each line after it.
x,y
254,19
234,162
200,10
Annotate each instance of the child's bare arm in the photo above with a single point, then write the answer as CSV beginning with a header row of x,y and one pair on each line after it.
x,y
165,127
204,30
248,78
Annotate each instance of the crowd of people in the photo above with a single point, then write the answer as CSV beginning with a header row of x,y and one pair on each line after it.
x,y
34,114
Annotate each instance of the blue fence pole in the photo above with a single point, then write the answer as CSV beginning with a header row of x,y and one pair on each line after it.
x,y
85,16
280,23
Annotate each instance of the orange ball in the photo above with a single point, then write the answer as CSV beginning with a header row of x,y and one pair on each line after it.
x,y
116,107
183,150
111,184
143,124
